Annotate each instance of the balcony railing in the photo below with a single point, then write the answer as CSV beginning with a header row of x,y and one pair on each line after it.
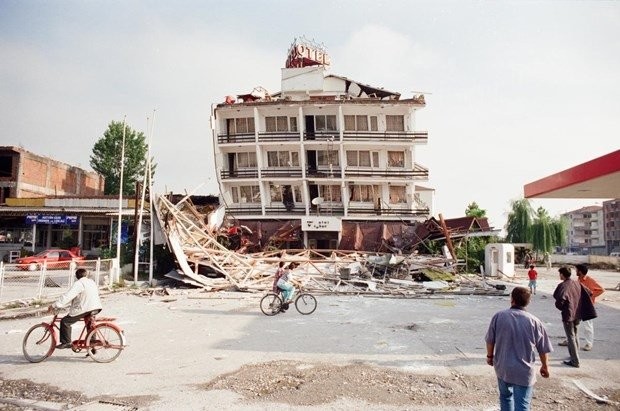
x,y
245,209
417,173
241,173
281,172
279,136
323,173
322,135
281,210
236,138
420,212
418,136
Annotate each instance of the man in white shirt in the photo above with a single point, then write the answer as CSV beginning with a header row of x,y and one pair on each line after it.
x,y
84,299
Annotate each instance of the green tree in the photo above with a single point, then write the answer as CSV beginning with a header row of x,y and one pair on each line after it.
x,y
106,158
474,210
542,231
519,224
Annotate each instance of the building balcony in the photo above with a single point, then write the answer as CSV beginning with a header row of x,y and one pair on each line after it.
x,y
385,136
281,210
244,209
389,211
322,135
323,173
236,138
281,172
292,136
417,173
251,173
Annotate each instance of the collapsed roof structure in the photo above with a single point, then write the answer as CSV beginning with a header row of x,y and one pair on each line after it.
x,y
204,262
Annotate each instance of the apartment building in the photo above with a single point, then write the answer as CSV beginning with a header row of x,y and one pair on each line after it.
x,y
611,213
586,231
323,150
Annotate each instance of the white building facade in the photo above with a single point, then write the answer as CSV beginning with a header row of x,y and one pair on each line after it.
x,y
323,150
586,230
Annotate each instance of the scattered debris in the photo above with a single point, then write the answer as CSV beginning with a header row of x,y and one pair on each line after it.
x,y
205,262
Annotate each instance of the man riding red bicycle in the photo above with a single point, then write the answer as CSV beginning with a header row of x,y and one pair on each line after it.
x,y
84,299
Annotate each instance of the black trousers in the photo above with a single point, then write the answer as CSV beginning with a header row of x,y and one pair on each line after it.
x,y
66,323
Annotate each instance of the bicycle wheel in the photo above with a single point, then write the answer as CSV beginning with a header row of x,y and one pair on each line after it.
x,y
271,304
305,303
39,343
104,343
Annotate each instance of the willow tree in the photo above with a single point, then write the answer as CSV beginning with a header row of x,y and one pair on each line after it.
x,y
543,232
519,224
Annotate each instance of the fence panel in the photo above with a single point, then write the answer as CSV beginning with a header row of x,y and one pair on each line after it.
x,y
22,283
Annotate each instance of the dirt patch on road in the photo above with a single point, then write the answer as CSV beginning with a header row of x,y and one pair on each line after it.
x,y
27,390
305,384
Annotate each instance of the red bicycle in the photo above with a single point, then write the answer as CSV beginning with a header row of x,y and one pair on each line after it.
x,y
102,339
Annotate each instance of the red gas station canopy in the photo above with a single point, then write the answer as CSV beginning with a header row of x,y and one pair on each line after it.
x,y
598,178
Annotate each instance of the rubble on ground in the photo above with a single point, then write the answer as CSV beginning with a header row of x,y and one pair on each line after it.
x,y
204,262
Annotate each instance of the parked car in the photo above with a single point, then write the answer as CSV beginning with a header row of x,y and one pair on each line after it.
x,y
55,258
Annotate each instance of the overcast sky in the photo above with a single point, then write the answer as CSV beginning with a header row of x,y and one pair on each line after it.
x,y
517,90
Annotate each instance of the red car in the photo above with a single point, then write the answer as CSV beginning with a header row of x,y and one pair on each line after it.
x,y
56,259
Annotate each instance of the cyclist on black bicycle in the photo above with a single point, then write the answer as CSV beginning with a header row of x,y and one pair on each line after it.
x,y
84,299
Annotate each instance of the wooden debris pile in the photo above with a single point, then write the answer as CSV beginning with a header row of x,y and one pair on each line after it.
x,y
204,262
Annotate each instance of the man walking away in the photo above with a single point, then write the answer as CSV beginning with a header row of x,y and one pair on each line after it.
x,y
511,339
595,290
567,299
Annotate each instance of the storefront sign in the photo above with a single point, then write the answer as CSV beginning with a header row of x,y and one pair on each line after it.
x,y
319,223
52,219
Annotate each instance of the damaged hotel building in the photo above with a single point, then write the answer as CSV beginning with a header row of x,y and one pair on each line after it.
x,y
328,162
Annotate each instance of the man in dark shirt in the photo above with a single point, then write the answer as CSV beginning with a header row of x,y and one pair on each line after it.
x,y
567,299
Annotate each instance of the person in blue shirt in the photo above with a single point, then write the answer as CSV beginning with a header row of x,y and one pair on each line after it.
x,y
513,338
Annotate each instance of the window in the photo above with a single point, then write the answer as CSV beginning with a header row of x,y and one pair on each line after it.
x,y
325,123
395,123
396,159
246,194
360,123
331,193
283,159
246,160
325,158
364,193
398,195
240,125
279,124
363,158
293,123
277,192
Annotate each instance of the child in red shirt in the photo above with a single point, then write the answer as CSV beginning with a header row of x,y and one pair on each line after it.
x,y
533,275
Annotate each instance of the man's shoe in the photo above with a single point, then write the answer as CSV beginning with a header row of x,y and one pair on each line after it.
x,y
563,343
587,347
63,346
569,362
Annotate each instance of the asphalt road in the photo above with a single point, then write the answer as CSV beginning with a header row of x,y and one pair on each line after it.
x,y
177,342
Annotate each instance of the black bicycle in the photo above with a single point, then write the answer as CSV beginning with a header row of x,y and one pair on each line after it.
x,y
273,303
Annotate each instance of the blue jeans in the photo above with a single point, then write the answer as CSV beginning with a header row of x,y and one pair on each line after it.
x,y
514,397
